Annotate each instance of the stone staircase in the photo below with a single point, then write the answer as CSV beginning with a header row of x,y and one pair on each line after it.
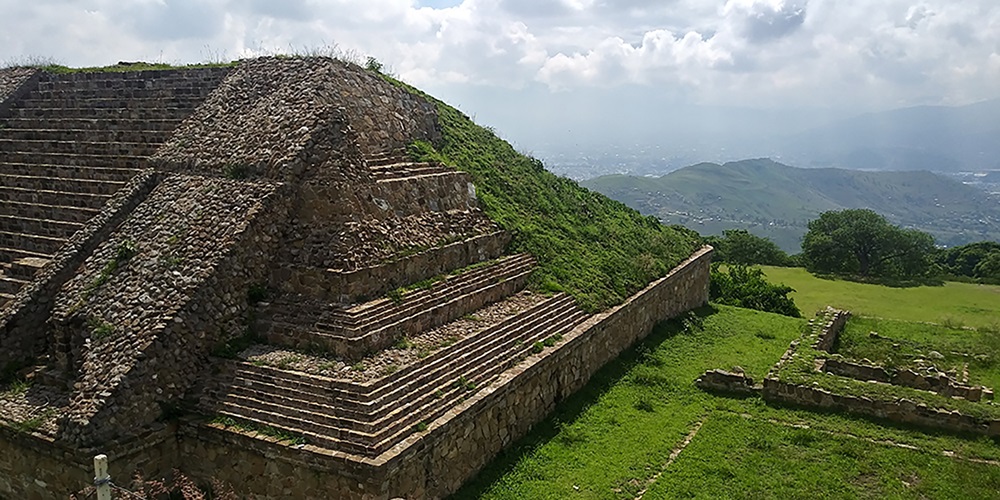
x,y
354,331
389,166
368,419
70,144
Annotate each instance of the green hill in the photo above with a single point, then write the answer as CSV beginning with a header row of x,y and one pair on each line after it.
x,y
777,201
593,247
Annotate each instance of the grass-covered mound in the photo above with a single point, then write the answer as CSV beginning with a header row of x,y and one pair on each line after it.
x,y
588,245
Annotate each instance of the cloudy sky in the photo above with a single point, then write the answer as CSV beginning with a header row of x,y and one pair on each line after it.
x,y
505,59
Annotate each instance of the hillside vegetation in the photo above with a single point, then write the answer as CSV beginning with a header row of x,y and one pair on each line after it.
x,y
777,201
595,248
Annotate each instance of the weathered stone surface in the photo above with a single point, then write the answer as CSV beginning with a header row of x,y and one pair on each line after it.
x,y
290,178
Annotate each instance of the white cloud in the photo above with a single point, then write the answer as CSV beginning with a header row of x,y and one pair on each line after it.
x,y
759,52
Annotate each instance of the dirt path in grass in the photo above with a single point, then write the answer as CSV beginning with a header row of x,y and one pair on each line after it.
x,y
673,456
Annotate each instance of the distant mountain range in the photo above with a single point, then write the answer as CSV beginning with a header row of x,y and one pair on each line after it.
x,y
935,138
777,201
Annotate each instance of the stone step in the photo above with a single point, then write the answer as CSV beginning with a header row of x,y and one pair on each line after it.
x,y
69,159
70,171
10,255
91,124
408,169
10,286
383,159
469,361
40,227
358,313
60,184
5,298
51,212
354,316
364,321
338,285
26,267
60,198
401,397
411,175
163,113
112,102
80,147
198,92
430,402
110,135
379,333
151,79
33,243
364,394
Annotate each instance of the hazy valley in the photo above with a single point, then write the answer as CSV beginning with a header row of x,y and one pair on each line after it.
x,y
777,201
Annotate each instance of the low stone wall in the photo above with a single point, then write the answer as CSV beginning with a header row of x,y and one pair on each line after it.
x,y
35,467
24,317
455,447
132,334
939,383
831,322
370,282
904,411
723,381
14,84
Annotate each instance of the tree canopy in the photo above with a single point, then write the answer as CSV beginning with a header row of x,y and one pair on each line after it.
x,y
862,242
979,260
739,246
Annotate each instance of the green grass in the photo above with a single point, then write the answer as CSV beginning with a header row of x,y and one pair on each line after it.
x,y
597,249
736,457
955,303
613,436
900,343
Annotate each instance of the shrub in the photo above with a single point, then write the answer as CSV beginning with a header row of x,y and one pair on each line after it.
x,y
743,286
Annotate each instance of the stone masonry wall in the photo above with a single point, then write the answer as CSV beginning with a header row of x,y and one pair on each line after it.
x,y
435,463
297,119
724,381
430,464
35,467
340,203
832,323
369,282
23,318
14,82
135,331
901,410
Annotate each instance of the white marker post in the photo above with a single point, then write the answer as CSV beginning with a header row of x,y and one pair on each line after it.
x,y
102,480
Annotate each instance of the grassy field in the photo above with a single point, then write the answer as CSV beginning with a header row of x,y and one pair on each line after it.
x,y
614,439
953,304
739,457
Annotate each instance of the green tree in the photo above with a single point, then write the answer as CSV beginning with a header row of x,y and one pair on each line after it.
x,y
968,260
739,246
988,268
747,287
862,242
